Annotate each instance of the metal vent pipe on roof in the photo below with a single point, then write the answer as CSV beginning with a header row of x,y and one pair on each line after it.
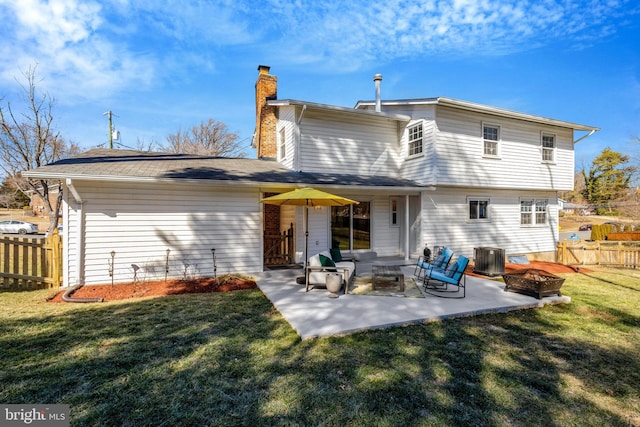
x,y
377,79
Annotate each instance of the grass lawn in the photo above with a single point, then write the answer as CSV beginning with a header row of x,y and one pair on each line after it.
x,y
231,359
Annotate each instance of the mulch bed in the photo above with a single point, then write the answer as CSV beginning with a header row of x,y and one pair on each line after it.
x,y
120,291
549,267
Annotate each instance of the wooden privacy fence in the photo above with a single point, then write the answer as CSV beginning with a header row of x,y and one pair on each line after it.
x,y
30,263
600,252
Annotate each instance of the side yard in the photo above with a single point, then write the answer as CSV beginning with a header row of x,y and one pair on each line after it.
x,y
25,215
231,359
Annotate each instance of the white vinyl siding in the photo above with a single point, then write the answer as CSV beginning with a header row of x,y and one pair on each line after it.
x,y
286,128
141,221
458,162
503,231
333,143
421,168
385,239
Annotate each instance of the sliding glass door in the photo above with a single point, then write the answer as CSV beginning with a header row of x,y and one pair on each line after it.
x,y
351,226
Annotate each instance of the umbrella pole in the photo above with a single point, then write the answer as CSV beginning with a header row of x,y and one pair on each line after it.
x,y
306,243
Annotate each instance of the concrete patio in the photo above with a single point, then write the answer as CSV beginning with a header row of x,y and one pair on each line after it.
x,y
312,314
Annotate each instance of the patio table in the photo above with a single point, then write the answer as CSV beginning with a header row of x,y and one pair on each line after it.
x,y
387,276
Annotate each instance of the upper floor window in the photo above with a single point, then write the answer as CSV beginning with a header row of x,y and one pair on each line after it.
x,y
533,211
478,208
548,147
415,139
491,137
282,144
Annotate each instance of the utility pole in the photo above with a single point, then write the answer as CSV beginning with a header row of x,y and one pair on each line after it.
x,y
109,114
113,134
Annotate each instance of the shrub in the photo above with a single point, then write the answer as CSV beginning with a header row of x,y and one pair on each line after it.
x,y
600,231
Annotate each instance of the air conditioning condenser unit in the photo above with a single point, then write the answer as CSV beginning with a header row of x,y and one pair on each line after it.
x,y
489,261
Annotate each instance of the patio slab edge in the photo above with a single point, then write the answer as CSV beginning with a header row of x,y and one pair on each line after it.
x,y
433,319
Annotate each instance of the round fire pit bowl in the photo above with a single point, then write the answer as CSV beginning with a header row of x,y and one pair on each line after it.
x,y
531,281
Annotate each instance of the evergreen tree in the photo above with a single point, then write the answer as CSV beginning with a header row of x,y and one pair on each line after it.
x,y
608,178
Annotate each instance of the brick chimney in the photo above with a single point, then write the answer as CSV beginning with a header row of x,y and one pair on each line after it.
x,y
265,137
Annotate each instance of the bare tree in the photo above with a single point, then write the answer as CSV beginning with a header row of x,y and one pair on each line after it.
x,y
11,196
144,145
209,138
29,140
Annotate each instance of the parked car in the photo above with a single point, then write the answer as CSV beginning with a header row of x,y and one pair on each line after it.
x,y
17,227
60,230
585,227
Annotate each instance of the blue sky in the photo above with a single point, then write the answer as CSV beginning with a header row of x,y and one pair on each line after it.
x,y
161,66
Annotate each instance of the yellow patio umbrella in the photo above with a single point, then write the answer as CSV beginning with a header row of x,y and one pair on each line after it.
x,y
307,197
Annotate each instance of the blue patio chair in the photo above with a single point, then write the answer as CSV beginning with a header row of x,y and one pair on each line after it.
x,y
439,264
437,282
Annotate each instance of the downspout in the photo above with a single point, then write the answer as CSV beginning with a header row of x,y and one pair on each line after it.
x,y
298,137
585,136
80,248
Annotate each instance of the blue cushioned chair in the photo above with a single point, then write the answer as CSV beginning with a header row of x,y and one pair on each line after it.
x,y
438,264
437,282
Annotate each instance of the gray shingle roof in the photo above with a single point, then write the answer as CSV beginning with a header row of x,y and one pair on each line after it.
x,y
107,164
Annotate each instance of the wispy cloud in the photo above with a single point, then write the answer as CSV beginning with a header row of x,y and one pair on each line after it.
x,y
63,38
350,36
94,49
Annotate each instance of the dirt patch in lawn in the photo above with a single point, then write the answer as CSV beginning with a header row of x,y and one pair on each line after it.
x,y
120,291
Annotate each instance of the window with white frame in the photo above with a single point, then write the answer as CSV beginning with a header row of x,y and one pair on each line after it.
x,y
282,144
415,139
548,147
478,208
491,137
534,211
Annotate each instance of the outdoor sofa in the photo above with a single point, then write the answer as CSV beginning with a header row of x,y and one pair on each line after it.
x,y
324,263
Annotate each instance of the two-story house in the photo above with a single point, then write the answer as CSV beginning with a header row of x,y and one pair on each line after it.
x,y
482,176
429,171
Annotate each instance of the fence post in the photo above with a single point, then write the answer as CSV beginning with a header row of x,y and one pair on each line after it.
x,y
53,258
563,252
56,272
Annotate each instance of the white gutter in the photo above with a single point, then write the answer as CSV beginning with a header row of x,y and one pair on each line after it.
x,y
79,279
241,182
478,108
